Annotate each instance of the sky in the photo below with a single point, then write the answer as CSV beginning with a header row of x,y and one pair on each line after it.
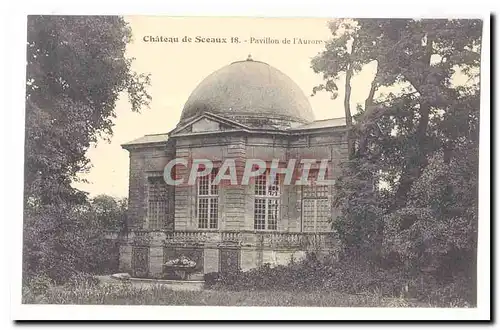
x,y
177,68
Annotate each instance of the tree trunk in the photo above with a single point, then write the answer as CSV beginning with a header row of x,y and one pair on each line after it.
x,y
347,109
417,160
363,139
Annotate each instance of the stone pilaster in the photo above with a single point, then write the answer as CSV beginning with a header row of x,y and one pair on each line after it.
x,y
183,194
211,260
248,259
125,264
233,212
156,261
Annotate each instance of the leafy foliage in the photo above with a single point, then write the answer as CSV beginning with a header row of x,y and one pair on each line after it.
x,y
128,294
62,241
345,276
76,70
109,212
408,196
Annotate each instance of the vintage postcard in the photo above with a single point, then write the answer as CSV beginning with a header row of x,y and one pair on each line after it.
x,y
252,161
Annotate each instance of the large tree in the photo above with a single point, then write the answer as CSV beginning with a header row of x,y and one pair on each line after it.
x,y
77,69
349,49
409,192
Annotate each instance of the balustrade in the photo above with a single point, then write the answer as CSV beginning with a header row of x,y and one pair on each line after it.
x,y
251,238
245,237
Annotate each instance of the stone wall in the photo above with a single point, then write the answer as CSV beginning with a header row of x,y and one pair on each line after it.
x,y
146,161
236,203
209,249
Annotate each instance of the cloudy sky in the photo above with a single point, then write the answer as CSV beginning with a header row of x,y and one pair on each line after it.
x,y
176,69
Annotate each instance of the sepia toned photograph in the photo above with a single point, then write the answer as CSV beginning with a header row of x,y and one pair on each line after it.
x,y
252,161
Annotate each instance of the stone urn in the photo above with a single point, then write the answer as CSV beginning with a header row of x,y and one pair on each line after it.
x,y
182,267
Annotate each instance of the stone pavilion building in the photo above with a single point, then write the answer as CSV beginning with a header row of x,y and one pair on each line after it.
x,y
245,110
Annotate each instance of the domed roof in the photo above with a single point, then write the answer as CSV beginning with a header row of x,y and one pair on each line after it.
x,y
250,92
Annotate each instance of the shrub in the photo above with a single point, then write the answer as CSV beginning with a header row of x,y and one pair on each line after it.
x,y
79,279
297,276
37,285
344,276
211,279
127,294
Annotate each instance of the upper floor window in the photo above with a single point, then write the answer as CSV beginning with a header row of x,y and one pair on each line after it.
x,y
208,202
157,202
267,202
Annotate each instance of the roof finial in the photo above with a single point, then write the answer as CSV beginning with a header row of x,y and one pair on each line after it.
x,y
249,58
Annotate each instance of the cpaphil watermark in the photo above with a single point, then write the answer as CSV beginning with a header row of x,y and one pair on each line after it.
x,y
181,171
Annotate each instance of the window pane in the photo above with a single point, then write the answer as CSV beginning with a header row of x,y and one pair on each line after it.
x,y
316,215
266,202
323,214
321,191
214,212
260,185
203,213
274,187
272,214
203,185
315,191
208,207
308,208
214,187
157,202
260,213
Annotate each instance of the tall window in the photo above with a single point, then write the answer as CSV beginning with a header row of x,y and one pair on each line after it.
x,y
157,202
208,202
267,202
316,207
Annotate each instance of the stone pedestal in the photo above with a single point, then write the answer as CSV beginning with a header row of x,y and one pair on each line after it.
x,y
211,260
248,259
156,261
125,258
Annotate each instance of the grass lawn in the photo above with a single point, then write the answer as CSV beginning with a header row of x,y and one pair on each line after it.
x,y
123,294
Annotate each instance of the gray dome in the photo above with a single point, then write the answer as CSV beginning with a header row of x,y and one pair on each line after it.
x,y
251,92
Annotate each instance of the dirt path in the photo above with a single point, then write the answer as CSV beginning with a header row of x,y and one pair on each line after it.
x,y
147,283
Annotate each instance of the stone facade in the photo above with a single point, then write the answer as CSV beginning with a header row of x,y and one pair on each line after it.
x,y
235,231
223,232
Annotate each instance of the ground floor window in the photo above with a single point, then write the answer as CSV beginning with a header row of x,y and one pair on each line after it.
x,y
208,202
208,209
316,215
266,214
267,202
316,207
157,202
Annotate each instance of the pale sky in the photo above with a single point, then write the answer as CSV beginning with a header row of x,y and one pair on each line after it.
x,y
176,69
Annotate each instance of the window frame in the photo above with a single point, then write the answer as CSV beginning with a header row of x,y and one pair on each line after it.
x,y
317,194
316,219
212,202
271,198
158,202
